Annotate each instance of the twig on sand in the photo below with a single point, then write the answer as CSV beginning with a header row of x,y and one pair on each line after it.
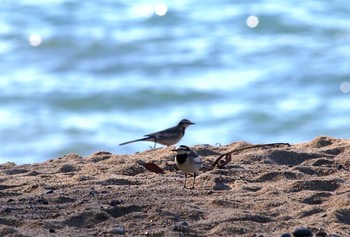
x,y
220,163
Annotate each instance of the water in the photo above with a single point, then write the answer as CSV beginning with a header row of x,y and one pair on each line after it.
x,y
84,76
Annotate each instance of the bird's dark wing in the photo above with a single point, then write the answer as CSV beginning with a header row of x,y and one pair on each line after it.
x,y
169,132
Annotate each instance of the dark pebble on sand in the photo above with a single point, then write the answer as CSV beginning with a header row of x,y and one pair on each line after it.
x,y
67,168
114,203
181,226
42,201
7,210
93,192
10,200
302,232
321,234
286,235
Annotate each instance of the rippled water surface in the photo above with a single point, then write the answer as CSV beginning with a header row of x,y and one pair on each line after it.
x,y
83,76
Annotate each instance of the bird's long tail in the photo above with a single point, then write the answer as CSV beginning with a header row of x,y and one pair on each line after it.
x,y
138,140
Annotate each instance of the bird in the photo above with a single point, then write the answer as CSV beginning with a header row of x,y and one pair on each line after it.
x,y
167,137
187,161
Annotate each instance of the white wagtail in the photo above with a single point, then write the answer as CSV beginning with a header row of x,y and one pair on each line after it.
x,y
166,137
187,161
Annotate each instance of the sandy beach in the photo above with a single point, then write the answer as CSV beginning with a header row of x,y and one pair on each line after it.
x,y
262,191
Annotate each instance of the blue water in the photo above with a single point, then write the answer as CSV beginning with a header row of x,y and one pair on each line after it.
x,y
83,76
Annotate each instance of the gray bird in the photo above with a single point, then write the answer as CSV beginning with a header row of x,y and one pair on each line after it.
x,y
166,137
187,161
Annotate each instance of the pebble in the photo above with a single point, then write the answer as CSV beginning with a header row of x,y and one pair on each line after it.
x,y
181,226
286,235
7,210
302,232
67,168
10,200
118,230
93,192
42,201
321,234
114,203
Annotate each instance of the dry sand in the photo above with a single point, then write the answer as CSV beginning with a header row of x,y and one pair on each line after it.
x,y
263,191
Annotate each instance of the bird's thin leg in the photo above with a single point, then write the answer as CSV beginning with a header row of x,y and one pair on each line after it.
x,y
185,180
194,179
155,143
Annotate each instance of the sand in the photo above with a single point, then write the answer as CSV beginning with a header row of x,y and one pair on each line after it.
x,y
263,191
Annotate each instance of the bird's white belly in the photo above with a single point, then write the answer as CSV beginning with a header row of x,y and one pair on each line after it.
x,y
189,167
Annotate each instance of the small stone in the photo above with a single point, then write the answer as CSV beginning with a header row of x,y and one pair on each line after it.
x,y
118,230
302,232
321,234
67,168
210,192
49,191
10,200
93,192
34,186
181,226
286,235
52,231
42,201
7,210
114,203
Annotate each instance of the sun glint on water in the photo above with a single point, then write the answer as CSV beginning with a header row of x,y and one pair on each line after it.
x,y
35,40
252,21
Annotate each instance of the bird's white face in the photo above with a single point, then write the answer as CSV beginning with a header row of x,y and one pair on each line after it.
x,y
182,150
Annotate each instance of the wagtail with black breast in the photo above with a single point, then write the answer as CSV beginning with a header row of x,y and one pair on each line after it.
x,y
187,161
